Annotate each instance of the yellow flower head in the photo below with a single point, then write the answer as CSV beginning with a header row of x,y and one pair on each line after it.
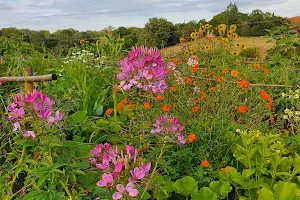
x,y
235,35
207,47
233,27
193,35
207,26
235,53
186,52
82,42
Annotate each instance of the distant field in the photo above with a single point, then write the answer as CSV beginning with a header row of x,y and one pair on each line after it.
x,y
261,43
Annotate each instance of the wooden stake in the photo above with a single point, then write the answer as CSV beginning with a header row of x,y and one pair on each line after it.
x,y
28,85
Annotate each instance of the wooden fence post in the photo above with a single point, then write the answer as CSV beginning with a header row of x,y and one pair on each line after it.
x,y
28,85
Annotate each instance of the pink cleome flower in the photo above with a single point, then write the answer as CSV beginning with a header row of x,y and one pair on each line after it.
x,y
143,68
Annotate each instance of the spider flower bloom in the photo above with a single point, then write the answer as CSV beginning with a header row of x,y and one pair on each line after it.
x,y
170,127
143,68
242,109
195,109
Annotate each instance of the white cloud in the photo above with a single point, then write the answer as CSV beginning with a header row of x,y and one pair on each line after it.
x,y
97,14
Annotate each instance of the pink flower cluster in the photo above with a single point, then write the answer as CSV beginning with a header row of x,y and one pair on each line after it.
x,y
114,164
35,103
169,126
144,69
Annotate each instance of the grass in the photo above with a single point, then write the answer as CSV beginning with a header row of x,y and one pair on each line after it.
x,y
261,43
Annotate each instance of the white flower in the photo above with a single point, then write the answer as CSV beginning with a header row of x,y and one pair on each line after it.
x,y
296,96
285,117
286,110
283,94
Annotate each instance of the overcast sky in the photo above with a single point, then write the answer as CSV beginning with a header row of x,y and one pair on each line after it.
x,y
98,14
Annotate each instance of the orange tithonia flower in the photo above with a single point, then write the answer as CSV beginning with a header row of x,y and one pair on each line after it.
x,y
242,109
224,71
257,66
191,137
203,95
194,69
234,73
130,105
272,120
189,80
269,104
264,95
205,163
182,39
211,89
158,98
221,79
125,100
165,108
147,105
195,109
108,111
120,106
173,89
265,71
202,71
243,83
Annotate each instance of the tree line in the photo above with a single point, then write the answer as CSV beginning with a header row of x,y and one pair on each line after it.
x,y
157,32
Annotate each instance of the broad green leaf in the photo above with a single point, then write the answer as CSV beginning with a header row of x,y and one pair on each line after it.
x,y
79,117
221,188
286,191
185,186
265,194
146,196
204,194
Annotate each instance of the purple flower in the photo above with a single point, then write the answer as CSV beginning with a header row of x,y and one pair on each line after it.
x,y
97,150
137,173
121,190
29,134
131,190
105,162
118,168
129,150
107,180
11,107
17,126
44,113
146,168
59,115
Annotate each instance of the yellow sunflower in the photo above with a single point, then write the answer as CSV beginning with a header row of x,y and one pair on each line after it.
x,y
235,53
190,43
186,52
193,50
232,27
207,47
222,27
243,45
81,42
207,26
229,33
193,35
235,35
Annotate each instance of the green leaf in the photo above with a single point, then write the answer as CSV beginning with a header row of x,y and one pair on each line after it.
x,y
79,117
185,186
265,194
204,194
146,196
42,178
221,188
286,191
36,195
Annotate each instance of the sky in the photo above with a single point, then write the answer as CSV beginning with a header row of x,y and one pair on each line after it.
x,y
97,14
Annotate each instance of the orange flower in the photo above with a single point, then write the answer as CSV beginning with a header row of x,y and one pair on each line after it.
x,y
265,71
243,83
108,111
211,89
165,108
242,109
221,79
115,89
205,163
182,39
125,100
208,38
120,106
272,119
173,89
189,80
195,109
269,104
196,101
191,137
147,105
234,73
264,95
203,95
130,106
224,71
257,66
202,71
194,69
158,98
179,62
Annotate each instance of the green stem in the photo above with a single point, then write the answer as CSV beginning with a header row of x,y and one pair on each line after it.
x,y
66,189
115,104
154,170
